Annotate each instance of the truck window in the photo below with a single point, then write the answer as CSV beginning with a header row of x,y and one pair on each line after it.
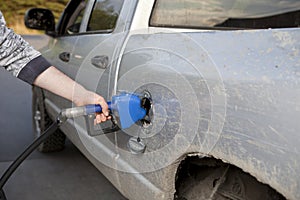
x,y
104,15
70,20
74,23
229,14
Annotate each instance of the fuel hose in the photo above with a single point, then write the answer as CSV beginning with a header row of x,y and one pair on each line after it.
x,y
63,116
11,169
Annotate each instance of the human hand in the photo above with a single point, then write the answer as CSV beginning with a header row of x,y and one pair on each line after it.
x,y
88,97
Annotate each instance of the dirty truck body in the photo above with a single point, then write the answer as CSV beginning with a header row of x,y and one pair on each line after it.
x,y
229,95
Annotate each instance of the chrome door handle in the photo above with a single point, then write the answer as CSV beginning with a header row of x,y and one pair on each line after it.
x,y
100,61
64,56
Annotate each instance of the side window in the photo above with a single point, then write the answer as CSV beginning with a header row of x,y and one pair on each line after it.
x,y
74,23
104,15
222,14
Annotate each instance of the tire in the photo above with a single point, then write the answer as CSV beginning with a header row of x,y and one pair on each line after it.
x,y
219,181
41,121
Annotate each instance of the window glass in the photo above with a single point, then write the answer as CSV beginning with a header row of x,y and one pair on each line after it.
x,y
75,20
226,13
104,15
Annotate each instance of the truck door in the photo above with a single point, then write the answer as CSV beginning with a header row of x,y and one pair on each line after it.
x,y
95,56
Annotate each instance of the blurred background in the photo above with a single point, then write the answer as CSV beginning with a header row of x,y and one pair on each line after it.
x,y
14,10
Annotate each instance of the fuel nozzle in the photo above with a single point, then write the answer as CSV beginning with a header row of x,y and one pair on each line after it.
x,y
126,109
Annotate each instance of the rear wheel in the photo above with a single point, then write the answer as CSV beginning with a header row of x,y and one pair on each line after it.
x,y
41,121
215,180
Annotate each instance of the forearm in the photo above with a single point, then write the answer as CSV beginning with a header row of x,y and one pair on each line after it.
x,y
58,83
53,80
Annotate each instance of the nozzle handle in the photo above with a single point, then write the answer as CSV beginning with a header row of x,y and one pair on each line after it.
x,y
83,110
91,109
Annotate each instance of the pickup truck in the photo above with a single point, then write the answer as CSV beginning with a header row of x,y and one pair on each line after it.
x,y
222,80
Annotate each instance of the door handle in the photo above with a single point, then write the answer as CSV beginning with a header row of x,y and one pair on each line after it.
x,y
100,61
64,56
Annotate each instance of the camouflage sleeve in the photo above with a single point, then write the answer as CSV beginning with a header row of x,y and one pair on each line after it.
x,y
18,57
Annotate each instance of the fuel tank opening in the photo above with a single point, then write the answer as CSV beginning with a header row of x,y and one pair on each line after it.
x,y
146,103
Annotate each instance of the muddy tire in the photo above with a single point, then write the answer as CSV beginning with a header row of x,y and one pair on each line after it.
x,y
41,121
219,181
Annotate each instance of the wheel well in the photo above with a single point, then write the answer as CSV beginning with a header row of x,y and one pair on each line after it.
x,y
220,180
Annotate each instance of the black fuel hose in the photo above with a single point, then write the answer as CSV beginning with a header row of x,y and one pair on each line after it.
x,y
11,169
61,118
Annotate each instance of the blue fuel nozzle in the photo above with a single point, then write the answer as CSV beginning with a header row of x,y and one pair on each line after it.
x,y
126,106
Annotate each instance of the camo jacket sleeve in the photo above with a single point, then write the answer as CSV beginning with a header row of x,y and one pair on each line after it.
x,y
18,57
